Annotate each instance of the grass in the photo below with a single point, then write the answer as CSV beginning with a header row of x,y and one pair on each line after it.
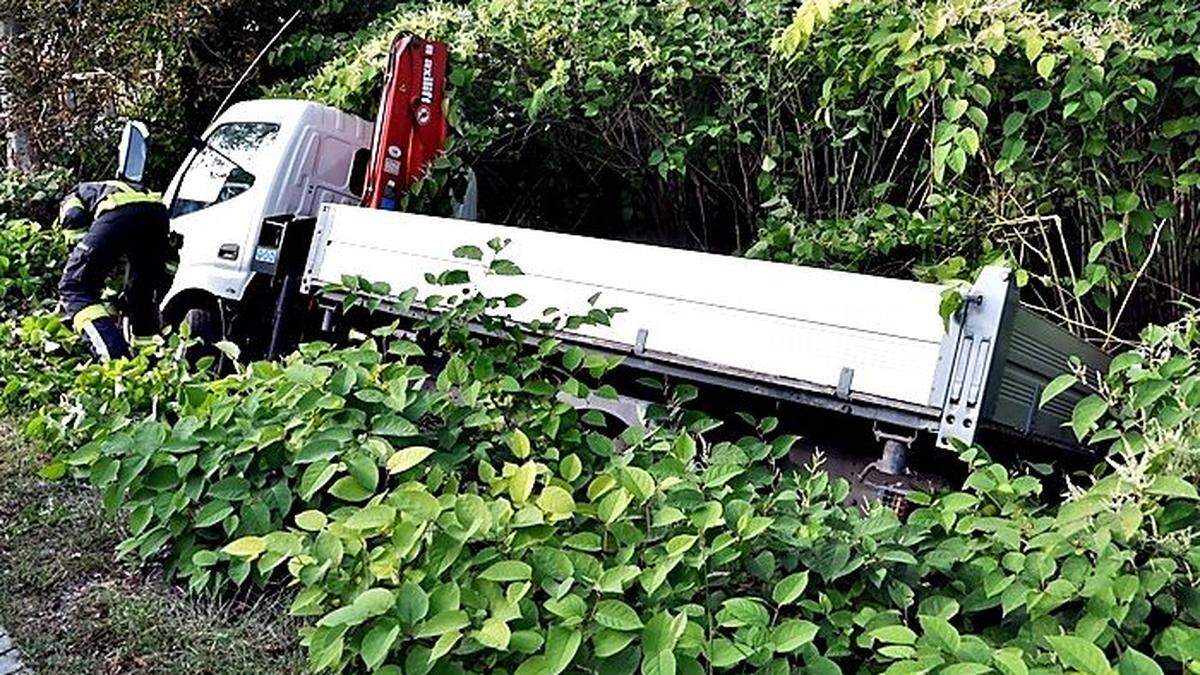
x,y
73,609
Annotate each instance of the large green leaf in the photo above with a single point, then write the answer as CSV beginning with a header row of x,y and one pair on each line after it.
x,y
1056,387
494,633
520,485
1079,654
1087,412
376,643
738,612
792,634
371,517
311,520
617,615
375,601
661,633
444,622
213,513
659,663
1173,486
556,501
246,547
518,442
507,570
789,588
1134,662
723,653
412,603
608,641
403,460
901,635
561,646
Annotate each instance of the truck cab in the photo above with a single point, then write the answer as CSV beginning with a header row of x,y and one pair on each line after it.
x,y
259,159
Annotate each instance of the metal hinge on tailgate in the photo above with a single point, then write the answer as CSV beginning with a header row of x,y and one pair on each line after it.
x,y
966,374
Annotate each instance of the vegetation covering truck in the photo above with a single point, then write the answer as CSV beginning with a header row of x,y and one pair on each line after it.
x,y
286,199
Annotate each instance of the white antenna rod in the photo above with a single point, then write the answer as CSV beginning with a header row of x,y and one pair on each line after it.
x,y
253,64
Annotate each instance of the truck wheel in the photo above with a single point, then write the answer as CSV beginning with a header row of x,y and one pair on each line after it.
x,y
204,325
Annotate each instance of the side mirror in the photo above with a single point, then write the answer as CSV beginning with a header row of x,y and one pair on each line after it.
x,y
131,158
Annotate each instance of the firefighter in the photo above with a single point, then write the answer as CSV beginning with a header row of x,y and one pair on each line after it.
x,y
123,221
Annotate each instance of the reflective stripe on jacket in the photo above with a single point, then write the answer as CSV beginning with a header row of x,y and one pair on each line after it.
x,y
89,201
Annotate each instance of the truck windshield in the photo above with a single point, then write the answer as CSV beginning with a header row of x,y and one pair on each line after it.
x,y
221,171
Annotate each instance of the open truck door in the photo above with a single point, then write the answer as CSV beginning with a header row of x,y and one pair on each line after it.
x,y
131,156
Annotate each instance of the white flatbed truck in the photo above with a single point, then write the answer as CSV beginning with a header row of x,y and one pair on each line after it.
x,y
865,346
267,209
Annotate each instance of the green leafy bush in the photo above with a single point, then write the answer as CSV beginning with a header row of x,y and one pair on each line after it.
x,y
1055,135
439,507
33,196
863,241
1058,123
456,515
1145,410
38,356
31,259
31,251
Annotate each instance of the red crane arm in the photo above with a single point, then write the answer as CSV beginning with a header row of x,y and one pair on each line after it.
x,y
410,129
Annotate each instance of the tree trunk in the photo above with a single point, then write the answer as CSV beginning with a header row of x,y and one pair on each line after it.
x,y
19,152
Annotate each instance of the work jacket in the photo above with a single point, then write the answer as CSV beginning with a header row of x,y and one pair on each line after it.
x,y
88,201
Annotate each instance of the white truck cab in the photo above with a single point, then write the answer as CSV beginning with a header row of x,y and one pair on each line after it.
x,y
259,159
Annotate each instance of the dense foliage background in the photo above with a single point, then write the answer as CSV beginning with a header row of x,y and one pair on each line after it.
x,y
897,138
888,137
72,70
452,515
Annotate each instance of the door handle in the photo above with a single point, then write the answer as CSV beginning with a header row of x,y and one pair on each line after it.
x,y
228,251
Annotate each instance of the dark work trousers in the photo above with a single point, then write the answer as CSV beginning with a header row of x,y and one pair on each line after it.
x,y
105,338
136,233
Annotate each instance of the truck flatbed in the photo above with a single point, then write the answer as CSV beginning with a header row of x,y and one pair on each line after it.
x,y
865,346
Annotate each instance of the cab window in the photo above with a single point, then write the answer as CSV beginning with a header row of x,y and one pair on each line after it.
x,y
223,169
358,171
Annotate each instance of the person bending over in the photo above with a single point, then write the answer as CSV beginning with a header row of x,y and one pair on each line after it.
x,y
122,221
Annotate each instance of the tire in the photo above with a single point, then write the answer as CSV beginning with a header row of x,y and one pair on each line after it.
x,y
204,326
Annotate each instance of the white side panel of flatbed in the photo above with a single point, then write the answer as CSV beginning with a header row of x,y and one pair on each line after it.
x,y
783,322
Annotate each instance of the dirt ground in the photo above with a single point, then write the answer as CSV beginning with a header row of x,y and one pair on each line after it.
x,y
72,608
